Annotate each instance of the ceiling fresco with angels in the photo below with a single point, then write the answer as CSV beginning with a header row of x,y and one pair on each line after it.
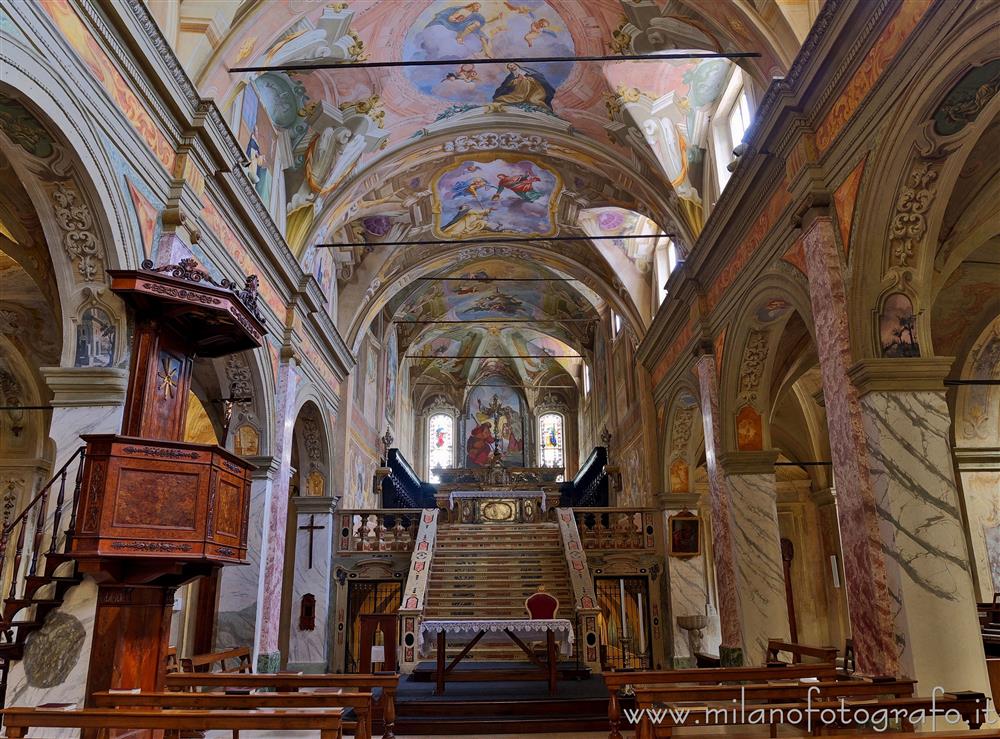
x,y
307,133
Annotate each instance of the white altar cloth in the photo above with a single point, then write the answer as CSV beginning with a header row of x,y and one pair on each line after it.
x,y
526,629
495,495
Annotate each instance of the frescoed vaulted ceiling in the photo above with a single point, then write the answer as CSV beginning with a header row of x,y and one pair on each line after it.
x,y
532,322
458,151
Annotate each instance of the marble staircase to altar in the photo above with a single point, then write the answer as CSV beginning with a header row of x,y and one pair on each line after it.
x,y
488,570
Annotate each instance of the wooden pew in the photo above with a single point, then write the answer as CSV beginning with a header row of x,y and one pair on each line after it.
x,y
970,706
388,683
204,662
615,681
360,703
798,651
19,721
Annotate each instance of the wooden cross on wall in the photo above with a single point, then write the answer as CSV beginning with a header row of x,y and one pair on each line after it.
x,y
312,528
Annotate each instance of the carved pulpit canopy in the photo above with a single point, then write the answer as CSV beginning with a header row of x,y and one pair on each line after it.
x,y
216,317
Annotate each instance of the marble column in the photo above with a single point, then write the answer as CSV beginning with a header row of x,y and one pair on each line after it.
x,y
308,644
688,579
273,544
239,586
85,400
760,574
908,430
731,650
869,599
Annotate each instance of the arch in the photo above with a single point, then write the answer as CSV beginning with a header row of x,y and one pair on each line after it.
x,y
912,174
683,436
73,188
745,392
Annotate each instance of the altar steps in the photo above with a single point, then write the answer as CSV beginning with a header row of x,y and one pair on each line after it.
x,y
484,708
489,570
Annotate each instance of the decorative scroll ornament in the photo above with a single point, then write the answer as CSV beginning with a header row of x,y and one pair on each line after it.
x,y
310,428
189,270
77,223
491,141
683,422
752,367
909,222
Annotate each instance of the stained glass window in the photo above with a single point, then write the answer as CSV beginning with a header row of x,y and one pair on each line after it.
x,y
550,437
440,443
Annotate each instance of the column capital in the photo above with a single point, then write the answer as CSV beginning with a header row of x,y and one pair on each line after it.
x,y
267,467
977,459
815,204
902,375
86,386
748,463
313,504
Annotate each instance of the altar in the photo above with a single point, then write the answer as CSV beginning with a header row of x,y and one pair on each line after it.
x,y
495,505
557,634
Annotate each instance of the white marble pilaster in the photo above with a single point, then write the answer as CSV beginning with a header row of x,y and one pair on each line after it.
x,y
689,593
236,623
308,650
923,540
757,541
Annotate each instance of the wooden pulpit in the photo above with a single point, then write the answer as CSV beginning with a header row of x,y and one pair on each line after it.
x,y
154,511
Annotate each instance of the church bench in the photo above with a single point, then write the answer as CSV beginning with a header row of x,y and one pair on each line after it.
x,y
359,703
823,715
19,721
204,662
798,651
615,681
387,683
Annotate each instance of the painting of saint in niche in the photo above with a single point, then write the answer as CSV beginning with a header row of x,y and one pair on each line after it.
x,y
515,196
95,339
495,421
897,327
490,29
685,535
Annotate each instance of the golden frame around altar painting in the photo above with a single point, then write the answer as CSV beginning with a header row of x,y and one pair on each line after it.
x,y
684,535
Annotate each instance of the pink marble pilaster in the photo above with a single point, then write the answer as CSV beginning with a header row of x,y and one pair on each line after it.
x,y
868,594
269,605
723,551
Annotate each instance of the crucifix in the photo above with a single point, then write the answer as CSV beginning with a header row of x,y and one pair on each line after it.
x,y
312,528
494,410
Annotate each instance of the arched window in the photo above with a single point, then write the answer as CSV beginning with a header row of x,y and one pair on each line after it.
x,y
440,443
550,440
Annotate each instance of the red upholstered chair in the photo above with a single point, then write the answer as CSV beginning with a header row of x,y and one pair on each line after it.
x,y
542,605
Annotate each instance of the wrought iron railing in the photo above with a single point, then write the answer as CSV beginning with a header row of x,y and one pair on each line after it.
x,y
46,537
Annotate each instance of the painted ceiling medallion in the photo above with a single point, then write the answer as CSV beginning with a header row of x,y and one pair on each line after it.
x,y
503,195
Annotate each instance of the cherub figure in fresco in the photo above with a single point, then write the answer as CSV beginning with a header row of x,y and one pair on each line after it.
x,y
465,73
525,86
540,26
471,187
522,185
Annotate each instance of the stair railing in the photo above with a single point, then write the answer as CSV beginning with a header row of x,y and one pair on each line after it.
x,y
35,516
584,598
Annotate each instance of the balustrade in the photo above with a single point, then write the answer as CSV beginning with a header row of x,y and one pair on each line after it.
x,y
616,528
384,530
